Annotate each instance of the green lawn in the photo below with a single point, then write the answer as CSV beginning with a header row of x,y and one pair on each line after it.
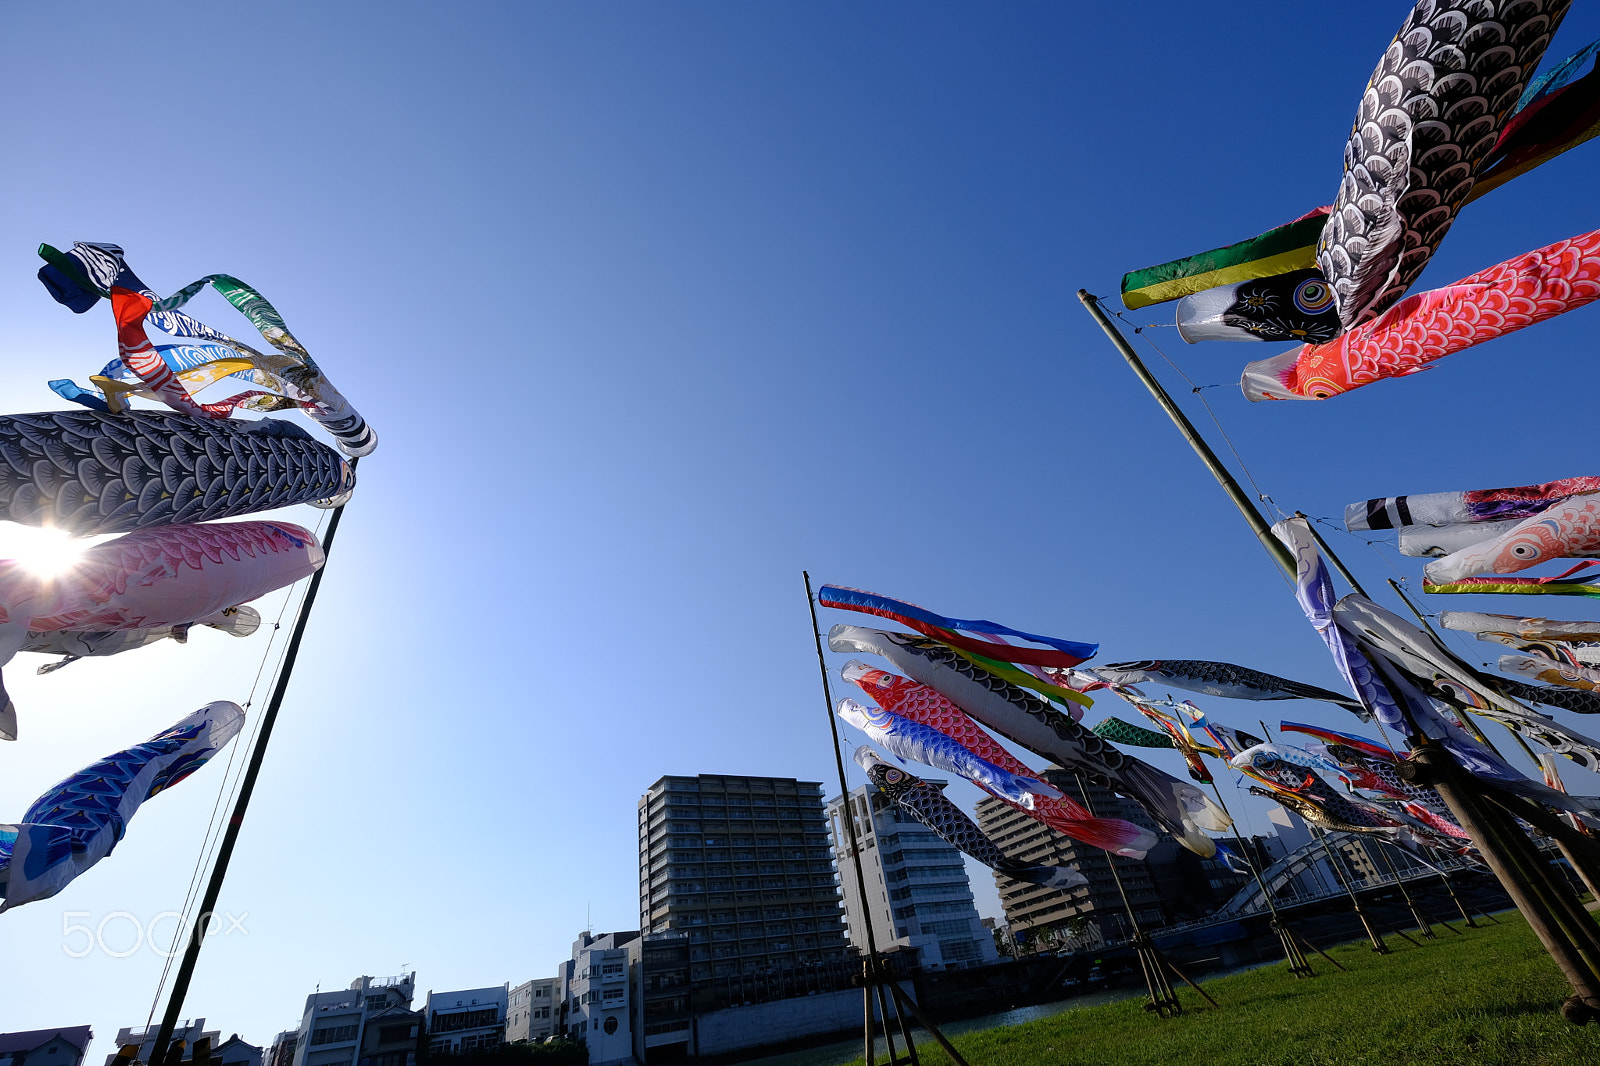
x,y
1487,998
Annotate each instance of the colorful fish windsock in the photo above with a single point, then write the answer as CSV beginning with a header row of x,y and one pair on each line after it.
x,y
1291,777
87,472
1555,114
1552,671
1431,325
1371,768
1465,508
1228,741
1297,306
1177,806
75,645
927,804
1431,114
1561,584
165,576
912,740
1061,653
1219,679
1277,251
91,270
76,824
1439,675
1567,699
1565,530
918,702
1518,626
1119,732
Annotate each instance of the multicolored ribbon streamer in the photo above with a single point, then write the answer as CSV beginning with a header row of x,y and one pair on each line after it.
x,y
1066,653
1555,585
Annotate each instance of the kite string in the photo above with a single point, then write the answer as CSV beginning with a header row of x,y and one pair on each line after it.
x,y
227,788
1198,392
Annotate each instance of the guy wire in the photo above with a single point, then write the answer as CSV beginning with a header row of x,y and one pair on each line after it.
x,y
228,787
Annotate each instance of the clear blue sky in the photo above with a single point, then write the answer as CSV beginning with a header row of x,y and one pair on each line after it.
x,y
652,307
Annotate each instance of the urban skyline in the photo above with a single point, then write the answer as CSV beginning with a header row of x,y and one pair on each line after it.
x,y
686,823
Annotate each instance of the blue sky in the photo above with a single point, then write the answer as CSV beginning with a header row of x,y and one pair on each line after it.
x,y
653,306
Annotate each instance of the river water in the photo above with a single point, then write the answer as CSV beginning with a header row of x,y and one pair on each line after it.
x,y
848,1050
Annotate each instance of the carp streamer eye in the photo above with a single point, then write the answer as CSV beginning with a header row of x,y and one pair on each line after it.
x,y
1313,296
893,776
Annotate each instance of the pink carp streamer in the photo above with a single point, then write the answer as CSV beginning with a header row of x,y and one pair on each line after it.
x,y
167,575
1568,529
922,704
1431,325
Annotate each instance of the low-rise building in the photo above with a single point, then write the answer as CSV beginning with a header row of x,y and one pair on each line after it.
x,y
333,1026
531,1012
470,1020
392,1036
236,1052
45,1047
145,1036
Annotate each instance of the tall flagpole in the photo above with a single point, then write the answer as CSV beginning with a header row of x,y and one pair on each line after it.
x,y
876,975
247,787
1501,842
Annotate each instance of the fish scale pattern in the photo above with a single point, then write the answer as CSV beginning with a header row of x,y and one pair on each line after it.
x,y
90,472
922,704
90,595
1429,117
1430,325
928,805
89,800
1567,699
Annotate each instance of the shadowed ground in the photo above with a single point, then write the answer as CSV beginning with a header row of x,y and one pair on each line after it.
x,y
1488,998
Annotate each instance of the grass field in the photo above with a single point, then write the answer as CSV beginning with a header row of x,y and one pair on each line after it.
x,y
1488,998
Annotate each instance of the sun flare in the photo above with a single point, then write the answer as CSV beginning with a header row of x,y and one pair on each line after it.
x,y
43,552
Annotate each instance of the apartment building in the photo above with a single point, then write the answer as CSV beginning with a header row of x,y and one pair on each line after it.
x,y
919,896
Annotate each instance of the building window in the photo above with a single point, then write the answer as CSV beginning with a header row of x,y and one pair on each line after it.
x,y
334,1034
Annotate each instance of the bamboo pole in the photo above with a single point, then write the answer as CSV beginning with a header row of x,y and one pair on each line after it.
x,y
874,972
247,787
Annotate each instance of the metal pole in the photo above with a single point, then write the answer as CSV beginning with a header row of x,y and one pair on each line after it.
x,y
247,787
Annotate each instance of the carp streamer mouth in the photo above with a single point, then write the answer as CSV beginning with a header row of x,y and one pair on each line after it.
x,y
44,552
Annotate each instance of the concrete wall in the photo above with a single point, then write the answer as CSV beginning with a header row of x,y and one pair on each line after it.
x,y
779,1021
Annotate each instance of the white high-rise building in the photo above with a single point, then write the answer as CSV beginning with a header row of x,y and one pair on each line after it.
x,y
918,892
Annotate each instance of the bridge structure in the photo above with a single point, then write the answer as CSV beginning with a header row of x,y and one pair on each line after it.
x,y
1303,876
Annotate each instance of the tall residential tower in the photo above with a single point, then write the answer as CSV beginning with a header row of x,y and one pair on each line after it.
x,y
742,867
